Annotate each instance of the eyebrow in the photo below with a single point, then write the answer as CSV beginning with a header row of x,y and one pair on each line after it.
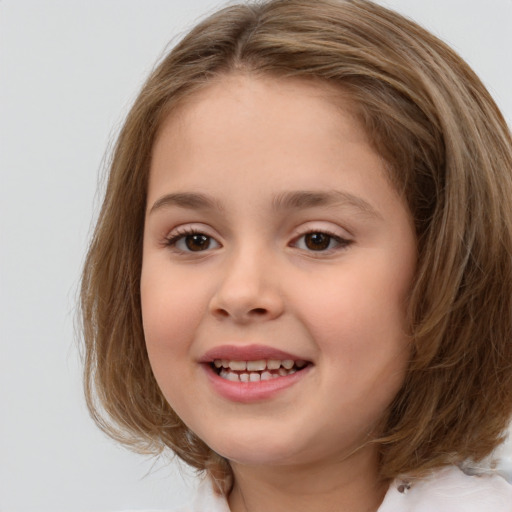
x,y
309,199
294,200
188,200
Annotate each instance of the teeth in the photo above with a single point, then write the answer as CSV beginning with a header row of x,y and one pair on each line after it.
x,y
259,365
233,376
237,365
229,375
273,364
270,369
254,377
256,366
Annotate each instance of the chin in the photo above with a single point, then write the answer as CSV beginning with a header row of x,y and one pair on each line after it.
x,y
258,450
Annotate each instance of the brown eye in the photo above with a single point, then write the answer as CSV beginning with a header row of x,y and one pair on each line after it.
x,y
192,241
317,241
197,242
320,241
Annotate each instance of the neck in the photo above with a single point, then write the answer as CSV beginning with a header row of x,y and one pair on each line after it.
x,y
351,485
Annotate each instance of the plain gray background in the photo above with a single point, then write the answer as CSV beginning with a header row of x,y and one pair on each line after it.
x,y
68,72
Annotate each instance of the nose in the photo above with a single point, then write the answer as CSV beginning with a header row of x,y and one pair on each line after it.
x,y
248,290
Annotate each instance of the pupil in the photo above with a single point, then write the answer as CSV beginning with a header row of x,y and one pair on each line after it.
x,y
317,241
197,242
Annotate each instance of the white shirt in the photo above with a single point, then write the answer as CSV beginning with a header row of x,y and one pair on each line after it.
x,y
446,490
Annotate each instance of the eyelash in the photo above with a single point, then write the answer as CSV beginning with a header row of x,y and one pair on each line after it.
x,y
341,243
183,233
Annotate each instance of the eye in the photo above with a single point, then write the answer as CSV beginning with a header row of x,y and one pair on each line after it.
x,y
319,241
191,241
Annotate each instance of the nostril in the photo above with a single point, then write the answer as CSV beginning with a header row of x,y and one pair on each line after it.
x,y
259,311
222,312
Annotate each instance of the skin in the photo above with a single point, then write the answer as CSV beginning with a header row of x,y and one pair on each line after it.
x,y
242,141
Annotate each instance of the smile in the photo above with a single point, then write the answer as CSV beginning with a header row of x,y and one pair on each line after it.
x,y
256,371
252,373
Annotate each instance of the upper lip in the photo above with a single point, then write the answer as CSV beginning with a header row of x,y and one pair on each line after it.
x,y
247,353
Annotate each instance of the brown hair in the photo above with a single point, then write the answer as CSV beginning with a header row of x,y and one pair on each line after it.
x,y
449,153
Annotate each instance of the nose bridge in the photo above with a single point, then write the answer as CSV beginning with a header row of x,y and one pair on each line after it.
x,y
247,289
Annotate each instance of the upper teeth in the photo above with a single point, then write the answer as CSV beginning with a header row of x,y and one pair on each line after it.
x,y
259,365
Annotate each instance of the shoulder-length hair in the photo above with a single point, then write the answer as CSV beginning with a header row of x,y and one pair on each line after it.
x,y
449,153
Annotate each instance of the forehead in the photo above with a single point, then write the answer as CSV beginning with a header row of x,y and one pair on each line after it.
x,y
244,140
231,119
239,86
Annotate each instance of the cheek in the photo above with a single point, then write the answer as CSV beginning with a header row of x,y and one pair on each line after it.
x,y
169,316
359,316
165,315
172,308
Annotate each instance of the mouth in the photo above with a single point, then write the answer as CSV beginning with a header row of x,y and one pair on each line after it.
x,y
257,370
253,373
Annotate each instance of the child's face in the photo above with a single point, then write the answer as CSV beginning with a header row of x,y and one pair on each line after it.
x,y
273,233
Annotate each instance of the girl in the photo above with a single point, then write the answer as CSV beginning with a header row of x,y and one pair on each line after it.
x,y
300,280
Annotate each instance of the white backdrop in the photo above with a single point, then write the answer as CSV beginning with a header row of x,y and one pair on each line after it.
x,y
69,70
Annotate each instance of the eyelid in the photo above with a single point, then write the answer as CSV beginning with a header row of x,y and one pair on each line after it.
x,y
340,235
178,233
322,227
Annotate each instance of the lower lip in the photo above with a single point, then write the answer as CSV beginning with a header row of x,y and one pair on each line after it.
x,y
247,392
